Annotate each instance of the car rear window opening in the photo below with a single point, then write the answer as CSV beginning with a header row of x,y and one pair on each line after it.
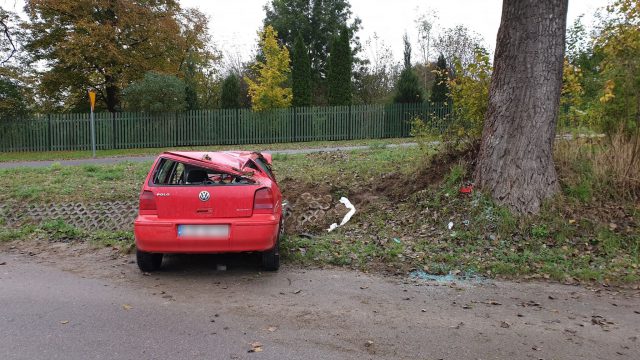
x,y
169,172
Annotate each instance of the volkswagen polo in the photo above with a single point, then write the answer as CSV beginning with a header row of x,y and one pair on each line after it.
x,y
209,202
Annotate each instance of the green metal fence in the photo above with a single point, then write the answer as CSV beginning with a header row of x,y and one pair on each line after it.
x,y
216,127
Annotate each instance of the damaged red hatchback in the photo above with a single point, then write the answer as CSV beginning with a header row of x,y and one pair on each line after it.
x,y
209,202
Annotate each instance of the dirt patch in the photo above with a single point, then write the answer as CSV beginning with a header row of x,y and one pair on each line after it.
x,y
399,186
313,207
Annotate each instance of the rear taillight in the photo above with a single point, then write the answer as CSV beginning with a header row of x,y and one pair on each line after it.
x,y
147,202
263,202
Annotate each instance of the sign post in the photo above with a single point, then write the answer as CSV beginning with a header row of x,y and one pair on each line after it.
x,y
92,100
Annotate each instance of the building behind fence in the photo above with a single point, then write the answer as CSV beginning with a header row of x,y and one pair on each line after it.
x,y
216,127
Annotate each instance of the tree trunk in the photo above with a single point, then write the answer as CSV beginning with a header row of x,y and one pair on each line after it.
x,y
112,94
515,164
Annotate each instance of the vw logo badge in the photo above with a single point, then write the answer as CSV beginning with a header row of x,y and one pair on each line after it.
x,y
204,195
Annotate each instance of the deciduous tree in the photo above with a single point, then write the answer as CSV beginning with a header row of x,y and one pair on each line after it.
x,y
156,93
106,45
458,43
515,165
377,74
269,90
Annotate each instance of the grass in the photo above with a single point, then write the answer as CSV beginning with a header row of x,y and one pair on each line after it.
x,y
578,236
72,155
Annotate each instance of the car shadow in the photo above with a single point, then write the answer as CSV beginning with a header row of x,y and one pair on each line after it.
x,y
211,263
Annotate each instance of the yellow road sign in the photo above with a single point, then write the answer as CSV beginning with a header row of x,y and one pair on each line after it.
x,y
92,99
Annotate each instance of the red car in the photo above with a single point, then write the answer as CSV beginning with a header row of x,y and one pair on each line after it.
x,y
209,202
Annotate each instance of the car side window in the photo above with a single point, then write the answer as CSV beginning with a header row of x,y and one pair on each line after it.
x,y
169,172
163,172
178,175
265,167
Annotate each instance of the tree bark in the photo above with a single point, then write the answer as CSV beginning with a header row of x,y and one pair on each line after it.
x,y
515,163
111,89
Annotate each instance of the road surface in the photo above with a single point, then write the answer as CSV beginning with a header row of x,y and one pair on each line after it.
x,y
61,301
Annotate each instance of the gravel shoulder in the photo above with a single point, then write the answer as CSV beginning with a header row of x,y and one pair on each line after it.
x,y
70,300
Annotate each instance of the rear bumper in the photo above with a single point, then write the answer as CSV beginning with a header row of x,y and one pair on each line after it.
x,y
255,233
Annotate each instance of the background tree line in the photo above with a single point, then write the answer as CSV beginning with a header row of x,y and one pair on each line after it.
x,y
155,56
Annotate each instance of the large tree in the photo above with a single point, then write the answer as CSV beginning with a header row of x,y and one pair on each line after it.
x,y
301,74
339,70
515,164
106,45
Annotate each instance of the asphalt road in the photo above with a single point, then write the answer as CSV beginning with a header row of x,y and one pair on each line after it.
x,y
71,302
119,159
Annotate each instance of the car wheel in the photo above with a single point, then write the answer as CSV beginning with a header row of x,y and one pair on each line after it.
x,y
148,262
271,258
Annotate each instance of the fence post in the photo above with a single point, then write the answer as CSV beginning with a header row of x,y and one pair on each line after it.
x,y
350,124
49,132
175,142
113,130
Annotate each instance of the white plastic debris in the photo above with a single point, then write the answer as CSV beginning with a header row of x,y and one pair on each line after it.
x,y
347,217
450,226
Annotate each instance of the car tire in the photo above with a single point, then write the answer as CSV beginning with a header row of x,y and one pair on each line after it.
x,y
271,258
148,262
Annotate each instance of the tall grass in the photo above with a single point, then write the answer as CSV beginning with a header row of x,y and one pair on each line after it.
x,y
608,165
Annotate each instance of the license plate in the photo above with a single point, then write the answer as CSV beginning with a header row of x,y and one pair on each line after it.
x,y
203,231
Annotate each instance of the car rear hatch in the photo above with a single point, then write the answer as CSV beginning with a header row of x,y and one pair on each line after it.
x,y
186,188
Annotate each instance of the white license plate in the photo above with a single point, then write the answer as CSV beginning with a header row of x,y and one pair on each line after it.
x,y
203,231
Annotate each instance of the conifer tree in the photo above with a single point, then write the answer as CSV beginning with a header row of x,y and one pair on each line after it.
x,y
408,89
339,70
230,95
301,74
440,89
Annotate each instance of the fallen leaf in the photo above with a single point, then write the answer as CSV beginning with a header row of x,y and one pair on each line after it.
x,y
504,324
297,291
272,328
255,347
64,322
363,287
127,306
369,343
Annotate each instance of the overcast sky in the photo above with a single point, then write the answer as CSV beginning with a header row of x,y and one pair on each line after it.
x,y
234,22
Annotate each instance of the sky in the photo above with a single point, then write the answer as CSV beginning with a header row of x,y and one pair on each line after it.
x,y
234,23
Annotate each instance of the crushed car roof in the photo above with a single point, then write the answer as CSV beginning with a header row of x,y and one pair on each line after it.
x,y
226,161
